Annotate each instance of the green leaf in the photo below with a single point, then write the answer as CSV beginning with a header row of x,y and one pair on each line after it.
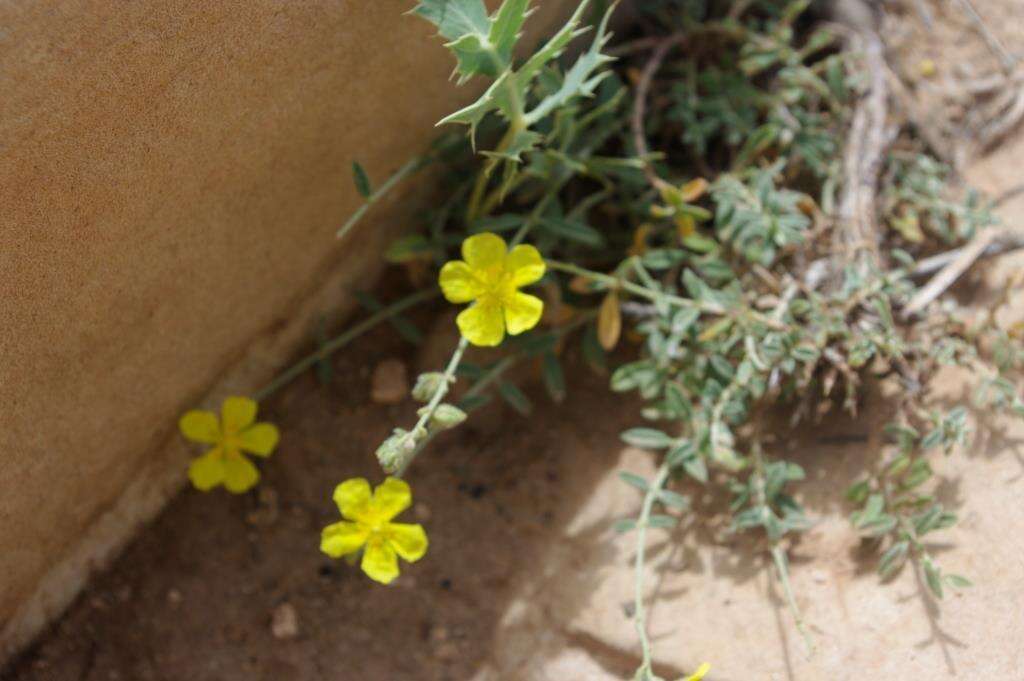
x,y
673,499
858,491
554,377
595,355
505,28
696,468
661,521
958,581
624,525
361,180
515,397
893,559
455,18
933,577
580,80
634,480
473,402
408,248
647,438
573,230
553,48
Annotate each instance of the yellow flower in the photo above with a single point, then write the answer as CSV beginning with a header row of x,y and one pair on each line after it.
x,y
368,523
235,432
699,674
491,275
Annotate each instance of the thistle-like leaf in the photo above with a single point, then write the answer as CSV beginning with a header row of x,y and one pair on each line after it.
x,y
482,44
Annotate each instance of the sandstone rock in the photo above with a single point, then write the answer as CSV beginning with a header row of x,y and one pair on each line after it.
x,y
284,623
390,382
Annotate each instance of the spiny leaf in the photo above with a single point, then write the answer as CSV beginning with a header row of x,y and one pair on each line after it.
x,y
361,180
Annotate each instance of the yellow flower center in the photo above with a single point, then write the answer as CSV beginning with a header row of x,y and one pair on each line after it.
x,y
498,285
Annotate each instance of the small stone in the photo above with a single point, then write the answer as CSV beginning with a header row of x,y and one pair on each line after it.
x,y
446,651
421,511
389,384
284,623
174,598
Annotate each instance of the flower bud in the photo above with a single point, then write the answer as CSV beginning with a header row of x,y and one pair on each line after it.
x,y
445,416
427,385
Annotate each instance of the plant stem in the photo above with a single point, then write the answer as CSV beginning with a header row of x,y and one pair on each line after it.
x,y
635,289
412,166
639,611
340,341
778,555
428,411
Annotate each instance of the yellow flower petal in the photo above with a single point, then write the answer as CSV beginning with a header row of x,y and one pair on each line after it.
x,y
408,541
207,471
390,498
200,426
522,312
458,283
699,674
236,413
259,439
239,474
525,265
343,538
482,324
380,562
482,251
352,497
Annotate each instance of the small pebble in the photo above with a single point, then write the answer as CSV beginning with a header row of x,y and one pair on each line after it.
x,y
390,383
284,623
174,597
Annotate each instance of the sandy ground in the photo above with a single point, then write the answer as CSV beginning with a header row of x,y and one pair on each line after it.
x,y
524,578
193,596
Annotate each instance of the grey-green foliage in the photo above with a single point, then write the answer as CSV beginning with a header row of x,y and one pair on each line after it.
x,y
483,46
917,200
739,297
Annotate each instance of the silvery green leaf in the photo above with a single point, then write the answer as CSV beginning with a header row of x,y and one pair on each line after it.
x,y
893,559
933,576
673,499
661,521
957,581
624,525
647,438
634,480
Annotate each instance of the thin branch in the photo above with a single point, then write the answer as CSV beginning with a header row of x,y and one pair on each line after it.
x,y
994,44
869,136
640,104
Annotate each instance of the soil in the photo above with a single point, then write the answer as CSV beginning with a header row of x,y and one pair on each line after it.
x,y
226,588
195,595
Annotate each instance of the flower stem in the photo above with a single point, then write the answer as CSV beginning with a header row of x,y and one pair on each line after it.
x,y
428,411
340,341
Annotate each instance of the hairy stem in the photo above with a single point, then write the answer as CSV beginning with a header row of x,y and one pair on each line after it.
x,y
639,610
428,411
340,341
